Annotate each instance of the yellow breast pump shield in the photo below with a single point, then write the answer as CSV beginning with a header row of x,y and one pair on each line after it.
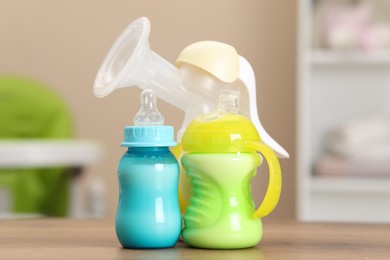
x,y
221,154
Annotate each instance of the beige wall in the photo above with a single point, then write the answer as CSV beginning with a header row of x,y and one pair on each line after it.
x,y
64,42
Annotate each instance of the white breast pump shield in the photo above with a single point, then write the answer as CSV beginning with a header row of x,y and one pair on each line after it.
x,y
191,88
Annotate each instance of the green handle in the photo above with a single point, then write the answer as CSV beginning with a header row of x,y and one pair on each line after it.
x,y
275,180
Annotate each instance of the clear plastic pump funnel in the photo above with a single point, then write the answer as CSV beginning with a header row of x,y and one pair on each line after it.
x,y
131,62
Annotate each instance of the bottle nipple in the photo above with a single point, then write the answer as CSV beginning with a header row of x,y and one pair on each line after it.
x,y
228,101
148,113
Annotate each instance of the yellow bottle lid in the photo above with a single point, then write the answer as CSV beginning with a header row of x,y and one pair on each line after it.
x,y
223,131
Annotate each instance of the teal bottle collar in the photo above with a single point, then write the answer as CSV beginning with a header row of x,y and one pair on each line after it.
x,y
147,136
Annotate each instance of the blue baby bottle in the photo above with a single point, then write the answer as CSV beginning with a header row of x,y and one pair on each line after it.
x,y
148,214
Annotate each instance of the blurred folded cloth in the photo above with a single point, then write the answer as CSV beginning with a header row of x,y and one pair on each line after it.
x,y
360,147
360,138
332,166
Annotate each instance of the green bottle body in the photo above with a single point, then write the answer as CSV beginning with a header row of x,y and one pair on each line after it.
x,y
220,213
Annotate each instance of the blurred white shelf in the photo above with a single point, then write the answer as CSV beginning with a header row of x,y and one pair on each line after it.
x,y
49,153
334,57
333,88
371,185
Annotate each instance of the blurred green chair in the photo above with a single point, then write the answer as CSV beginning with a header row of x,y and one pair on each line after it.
x,y
30,110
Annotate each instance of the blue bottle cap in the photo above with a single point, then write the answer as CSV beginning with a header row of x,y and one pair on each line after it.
x,y
148,136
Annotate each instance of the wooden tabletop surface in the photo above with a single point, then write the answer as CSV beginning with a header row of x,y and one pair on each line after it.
x,y
95,239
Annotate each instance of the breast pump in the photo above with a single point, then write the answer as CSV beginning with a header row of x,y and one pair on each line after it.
x,y
203,69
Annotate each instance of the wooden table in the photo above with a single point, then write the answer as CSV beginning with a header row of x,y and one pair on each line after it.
x,y
95,239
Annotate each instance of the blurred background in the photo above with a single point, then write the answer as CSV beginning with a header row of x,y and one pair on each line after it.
x,y
61,45
322,72
343,124
322,82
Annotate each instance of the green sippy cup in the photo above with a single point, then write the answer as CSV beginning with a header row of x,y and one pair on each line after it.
x,y
220,157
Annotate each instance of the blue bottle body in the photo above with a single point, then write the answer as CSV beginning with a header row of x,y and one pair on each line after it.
x,y
148,214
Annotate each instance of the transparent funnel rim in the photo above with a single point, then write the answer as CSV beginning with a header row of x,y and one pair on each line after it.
x,y
102,86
